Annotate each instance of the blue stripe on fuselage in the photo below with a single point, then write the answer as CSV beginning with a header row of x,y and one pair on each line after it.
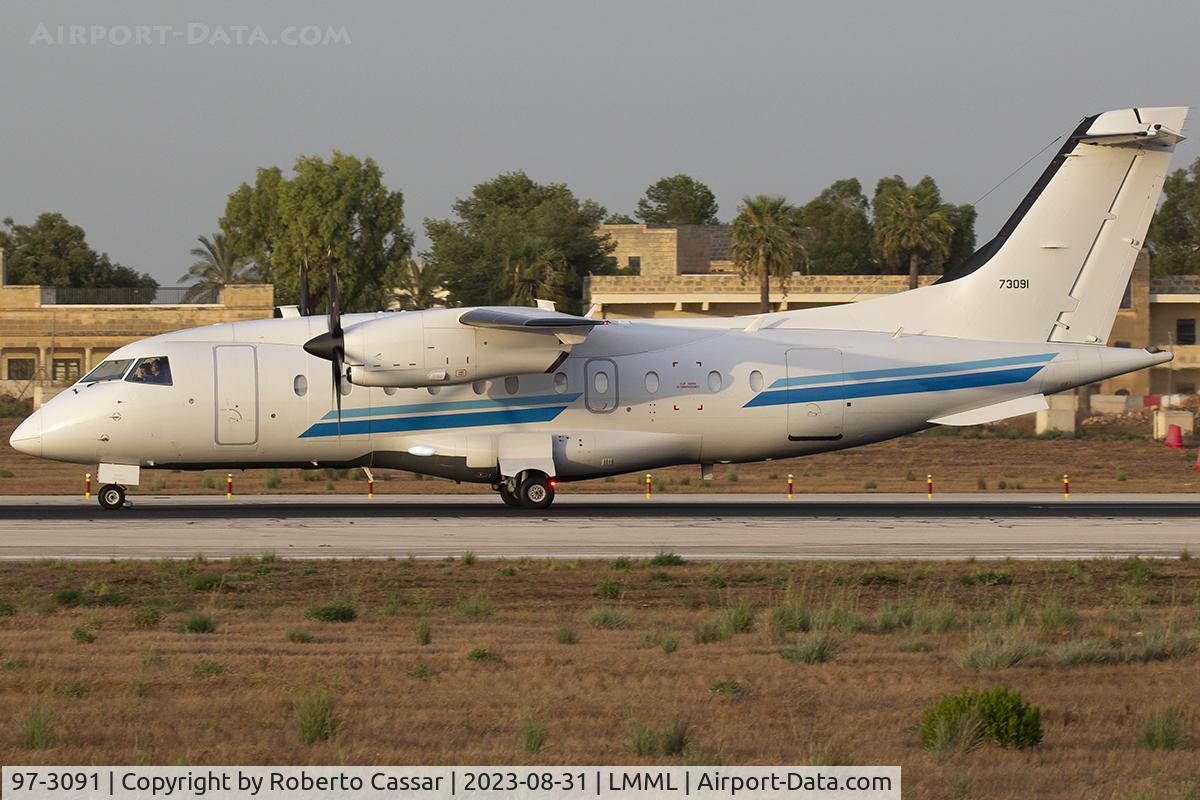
x,y
452,405
931,383
896,372
435,422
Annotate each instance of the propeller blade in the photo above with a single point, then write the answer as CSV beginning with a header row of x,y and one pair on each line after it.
x,y
337,340
304,308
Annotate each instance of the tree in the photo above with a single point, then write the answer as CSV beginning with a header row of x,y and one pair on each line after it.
x,y
217,264
836,230
677,200
765,242
337,210
419,286
619,219
512,233
912,226
53,252
1174,236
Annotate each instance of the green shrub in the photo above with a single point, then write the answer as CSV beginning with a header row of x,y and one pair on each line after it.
x,y
315,718
206,581
474,605
729,688
298,636
793,613
483,655
1138,572
7,473
815,648
564,634
66,597
1054,614
273,480
915,646
870,485
1164,729
469,558
1000,653
76,690
608,590
7,610
666,560
532,733
668,740
986,577
147,616
711,630
82,636
422,634
607,618
1001,715
621,562
421,671
332,612
198,623
206,668
35,727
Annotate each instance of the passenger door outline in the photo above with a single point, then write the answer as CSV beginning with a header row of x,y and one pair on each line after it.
x,y
235,386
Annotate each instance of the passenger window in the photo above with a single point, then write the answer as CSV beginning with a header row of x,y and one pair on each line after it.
x,y
389,390
560,382
300,385
511,384
155,369
479,387
601,382
756,381
714,381
652,382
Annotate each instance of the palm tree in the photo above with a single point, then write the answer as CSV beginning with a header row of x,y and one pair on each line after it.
x,y
765,242
913,224
217,265
419,286
536,277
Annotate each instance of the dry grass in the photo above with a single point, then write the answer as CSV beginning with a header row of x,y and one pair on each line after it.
x,y
959,463
873,646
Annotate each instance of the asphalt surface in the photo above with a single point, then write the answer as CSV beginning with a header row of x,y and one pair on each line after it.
x,y
578,526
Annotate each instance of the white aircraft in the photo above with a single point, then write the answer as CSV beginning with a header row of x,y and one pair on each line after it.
x,y
521,398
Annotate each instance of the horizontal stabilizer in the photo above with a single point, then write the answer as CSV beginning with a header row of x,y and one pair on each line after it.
x,y
995,411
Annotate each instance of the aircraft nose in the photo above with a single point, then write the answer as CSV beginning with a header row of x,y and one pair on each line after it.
x,y
27,438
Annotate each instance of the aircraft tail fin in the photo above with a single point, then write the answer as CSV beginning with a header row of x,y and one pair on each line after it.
x,y
1058,268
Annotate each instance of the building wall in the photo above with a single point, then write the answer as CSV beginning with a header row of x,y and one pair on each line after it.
x,y
87,334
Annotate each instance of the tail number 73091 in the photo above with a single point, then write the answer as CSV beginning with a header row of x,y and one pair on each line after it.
x,y
1014,283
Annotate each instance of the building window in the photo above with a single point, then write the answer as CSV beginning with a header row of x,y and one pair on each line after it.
x,y
1185,331
66,370
635,265
20,369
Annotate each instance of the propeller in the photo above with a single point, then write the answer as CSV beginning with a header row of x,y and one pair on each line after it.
x,y
331,345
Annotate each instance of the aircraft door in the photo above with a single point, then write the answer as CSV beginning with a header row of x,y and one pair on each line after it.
x,y
600,386
816,408
236,382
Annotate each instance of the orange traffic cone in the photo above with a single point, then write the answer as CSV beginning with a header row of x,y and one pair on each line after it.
x,y
1174,437
1198,461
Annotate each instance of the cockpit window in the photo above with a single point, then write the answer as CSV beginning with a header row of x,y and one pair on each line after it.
x,y
108,371
155,369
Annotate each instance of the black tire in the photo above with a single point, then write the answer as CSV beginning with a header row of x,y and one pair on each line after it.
x,y
111,496
508,497
535,491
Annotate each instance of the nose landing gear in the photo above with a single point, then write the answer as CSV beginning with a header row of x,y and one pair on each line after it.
x,y
530,489
111,496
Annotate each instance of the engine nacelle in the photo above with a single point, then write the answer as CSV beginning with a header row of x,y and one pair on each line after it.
x,y
432,348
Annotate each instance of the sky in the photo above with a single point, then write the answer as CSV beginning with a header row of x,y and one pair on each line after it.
x,y
137,119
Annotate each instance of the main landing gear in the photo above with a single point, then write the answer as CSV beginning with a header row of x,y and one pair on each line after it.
x,y
530,489
111,496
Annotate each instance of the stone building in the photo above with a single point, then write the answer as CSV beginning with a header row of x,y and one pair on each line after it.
x,y
50,337
685,272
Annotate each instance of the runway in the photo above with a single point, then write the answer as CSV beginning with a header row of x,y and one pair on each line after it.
x,y
583,526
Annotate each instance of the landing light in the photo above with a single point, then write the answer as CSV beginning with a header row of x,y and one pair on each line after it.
x,y
422,450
